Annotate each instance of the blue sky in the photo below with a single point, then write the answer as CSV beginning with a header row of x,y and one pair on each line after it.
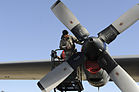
x,y
29,30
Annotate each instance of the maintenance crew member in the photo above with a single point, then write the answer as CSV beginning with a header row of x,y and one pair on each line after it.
x,y
67,43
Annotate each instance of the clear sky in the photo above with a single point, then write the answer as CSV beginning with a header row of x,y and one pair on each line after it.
x,y
29,31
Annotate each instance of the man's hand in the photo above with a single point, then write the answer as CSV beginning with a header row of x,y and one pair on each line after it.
x,y
68,47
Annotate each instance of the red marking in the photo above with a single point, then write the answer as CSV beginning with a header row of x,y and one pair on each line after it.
x,y
117,73
92,67
121,23
65,69
71,22
63,55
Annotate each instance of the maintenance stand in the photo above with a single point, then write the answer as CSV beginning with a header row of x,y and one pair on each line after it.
x,y
73,82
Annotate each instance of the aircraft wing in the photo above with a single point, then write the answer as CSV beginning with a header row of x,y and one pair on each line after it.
x,y
35,70
131,64
28,70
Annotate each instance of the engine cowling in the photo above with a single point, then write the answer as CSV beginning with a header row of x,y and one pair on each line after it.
x,y
95,75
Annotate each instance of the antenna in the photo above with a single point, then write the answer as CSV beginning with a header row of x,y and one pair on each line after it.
x,y
98,89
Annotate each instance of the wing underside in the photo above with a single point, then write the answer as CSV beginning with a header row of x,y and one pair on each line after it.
x,y
130,64
35,70
26,70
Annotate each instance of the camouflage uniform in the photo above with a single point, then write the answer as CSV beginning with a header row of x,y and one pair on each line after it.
x,y
68,45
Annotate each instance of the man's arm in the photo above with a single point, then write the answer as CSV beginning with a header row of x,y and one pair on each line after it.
x,y
76,40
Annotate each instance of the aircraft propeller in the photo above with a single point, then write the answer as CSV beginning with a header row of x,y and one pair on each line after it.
x,y
116,73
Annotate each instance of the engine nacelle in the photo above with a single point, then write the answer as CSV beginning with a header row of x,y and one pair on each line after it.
x,y
92,48
95,76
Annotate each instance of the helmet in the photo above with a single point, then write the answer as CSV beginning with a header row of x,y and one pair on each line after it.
x,y
65,32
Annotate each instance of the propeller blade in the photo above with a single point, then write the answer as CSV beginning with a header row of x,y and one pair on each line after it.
x,y
69,20
120,25
55,77
61,72
120,77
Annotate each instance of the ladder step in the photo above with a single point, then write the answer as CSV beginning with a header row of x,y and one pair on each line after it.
x,y
70,86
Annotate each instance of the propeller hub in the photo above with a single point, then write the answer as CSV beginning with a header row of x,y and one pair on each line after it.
x,y
93,47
